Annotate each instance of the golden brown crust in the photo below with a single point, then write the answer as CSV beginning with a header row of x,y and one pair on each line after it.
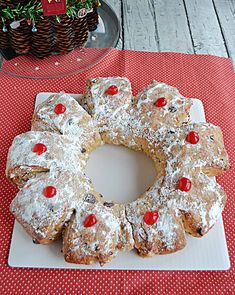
x,y
102,241
21,174
165,236
75,121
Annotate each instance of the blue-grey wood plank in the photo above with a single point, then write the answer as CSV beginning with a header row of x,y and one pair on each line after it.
x,y
172,26
205,28
226,13
139,25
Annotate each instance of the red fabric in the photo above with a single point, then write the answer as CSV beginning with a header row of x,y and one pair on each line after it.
x,y
209,78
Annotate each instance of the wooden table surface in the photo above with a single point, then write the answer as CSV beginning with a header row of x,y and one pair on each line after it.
x,y
191,26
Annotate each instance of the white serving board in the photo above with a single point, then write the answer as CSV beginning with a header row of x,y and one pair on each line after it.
x,y
131,174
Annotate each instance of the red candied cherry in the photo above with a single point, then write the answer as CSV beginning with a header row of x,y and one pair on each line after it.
x,y
192,137
150,217
60,109
160,102
112,90
39,148
184,184
49,191
90,220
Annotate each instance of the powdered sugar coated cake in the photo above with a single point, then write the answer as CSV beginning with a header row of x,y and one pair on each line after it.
x,y
57,198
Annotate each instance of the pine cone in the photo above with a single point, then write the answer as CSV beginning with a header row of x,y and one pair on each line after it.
x,y
12,3
4,37
80,31
20,38
64,35
43,41
93,19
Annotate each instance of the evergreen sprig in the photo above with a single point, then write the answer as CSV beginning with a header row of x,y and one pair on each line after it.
x,y
33,10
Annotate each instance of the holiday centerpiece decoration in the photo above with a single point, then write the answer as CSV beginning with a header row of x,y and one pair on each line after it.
x,y
46,27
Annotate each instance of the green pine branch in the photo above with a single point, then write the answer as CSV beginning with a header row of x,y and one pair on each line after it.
x,y
33,10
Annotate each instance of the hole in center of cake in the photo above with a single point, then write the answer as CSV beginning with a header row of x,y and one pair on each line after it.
x,y
120,174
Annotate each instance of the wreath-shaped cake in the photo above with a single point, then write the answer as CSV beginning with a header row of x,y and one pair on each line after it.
x,y
57,198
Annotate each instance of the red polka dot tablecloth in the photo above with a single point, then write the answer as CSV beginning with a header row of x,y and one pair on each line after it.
x,y
209,78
